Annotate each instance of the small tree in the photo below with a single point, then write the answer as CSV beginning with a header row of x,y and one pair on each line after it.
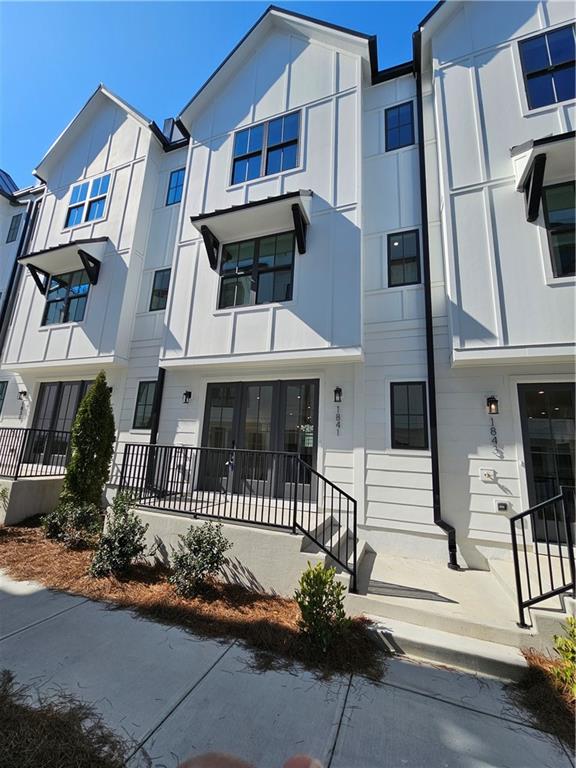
x,y
321,602
93,436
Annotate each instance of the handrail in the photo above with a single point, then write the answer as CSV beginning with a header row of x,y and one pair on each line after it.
x,y
33,452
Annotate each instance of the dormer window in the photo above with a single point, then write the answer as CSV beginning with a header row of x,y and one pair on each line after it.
x,y
266,148
87,201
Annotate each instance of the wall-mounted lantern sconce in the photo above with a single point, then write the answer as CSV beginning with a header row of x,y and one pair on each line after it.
x,y
338,395
22,395
491,405
186,397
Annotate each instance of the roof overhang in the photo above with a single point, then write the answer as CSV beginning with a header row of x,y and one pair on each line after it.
x,y
282,213
77,254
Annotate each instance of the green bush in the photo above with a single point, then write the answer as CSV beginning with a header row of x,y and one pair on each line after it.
x,y
201,553
75,525
122,541
321,602
565,647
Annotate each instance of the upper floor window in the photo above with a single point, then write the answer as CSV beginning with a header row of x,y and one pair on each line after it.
x,y
144,405
548,63
257,271
559,206
403,259
87,201
266,148
175,187
14,227
409,415
160,285
399,126
66,298
3,388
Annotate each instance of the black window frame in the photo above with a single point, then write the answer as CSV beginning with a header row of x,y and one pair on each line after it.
x,y
255,271
550,69
155,288
392,235
176,186
14,228
3,390
266,147
142,385
557,229
387,114
67,299
393,440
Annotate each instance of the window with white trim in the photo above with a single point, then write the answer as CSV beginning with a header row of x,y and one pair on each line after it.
x,y
266,148
14,227
409,420
66,298
87,201
549,66
144,405
559,202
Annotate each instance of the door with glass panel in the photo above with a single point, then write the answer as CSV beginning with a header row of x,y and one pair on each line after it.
x,y
56,408
547,412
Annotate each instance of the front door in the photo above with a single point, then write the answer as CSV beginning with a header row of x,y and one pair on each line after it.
x,y
547,413
58,402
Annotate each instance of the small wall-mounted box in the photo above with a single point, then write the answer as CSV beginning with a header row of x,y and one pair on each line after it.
x,y
502,506
487,475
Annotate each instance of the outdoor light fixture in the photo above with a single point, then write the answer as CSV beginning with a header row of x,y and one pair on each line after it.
x,y
22,395
338,395
491,405
186,397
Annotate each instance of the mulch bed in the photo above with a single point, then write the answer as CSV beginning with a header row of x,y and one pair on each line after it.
x,y
267,624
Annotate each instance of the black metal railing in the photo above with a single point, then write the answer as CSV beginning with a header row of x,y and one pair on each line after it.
x,y
543,551
33,452
269,488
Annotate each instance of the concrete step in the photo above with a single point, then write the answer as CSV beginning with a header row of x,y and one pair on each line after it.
x,y
471,654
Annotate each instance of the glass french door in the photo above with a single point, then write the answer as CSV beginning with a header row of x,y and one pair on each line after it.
x,y
58,402
547,413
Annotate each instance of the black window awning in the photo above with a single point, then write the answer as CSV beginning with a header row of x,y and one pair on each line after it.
x,y
68,257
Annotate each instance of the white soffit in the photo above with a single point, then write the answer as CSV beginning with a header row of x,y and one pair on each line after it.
x,y
65,257
560,160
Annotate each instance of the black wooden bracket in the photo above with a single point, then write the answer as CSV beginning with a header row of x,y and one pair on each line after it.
x,y
534,188
91,265
212,245
300,227
40,277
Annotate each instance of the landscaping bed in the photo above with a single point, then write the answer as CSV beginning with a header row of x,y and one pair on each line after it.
x,y
268,624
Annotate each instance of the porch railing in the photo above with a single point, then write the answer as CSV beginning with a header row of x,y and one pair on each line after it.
x,y
543,551
268,488
33,452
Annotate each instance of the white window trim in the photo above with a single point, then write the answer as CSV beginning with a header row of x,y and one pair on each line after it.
x,y
87,201
419,452
545,254
69,323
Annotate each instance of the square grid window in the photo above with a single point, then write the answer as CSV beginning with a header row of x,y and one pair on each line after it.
x,y
266,148
257,271
66,298
403,259
559,213
160,285
549,66
3,388
175,187
409,415
399,126
144,405
14,227
87,201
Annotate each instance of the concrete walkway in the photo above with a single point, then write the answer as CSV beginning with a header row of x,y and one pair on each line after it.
x,y
174,695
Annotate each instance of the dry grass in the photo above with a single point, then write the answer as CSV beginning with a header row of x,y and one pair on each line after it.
x,y
267,624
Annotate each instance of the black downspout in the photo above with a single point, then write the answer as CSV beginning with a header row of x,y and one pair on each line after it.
x,y
157,405
448,529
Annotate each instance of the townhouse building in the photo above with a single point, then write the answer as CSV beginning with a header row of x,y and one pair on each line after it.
x,y
370,269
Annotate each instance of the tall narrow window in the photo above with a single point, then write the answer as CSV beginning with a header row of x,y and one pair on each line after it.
x,y
409,415
399,126
549,66
66,298
266,148
403,259
3,388
559,214
14,227
87,201
160,287
175,187
144,405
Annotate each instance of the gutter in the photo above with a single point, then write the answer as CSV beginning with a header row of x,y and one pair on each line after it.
x,y
448,529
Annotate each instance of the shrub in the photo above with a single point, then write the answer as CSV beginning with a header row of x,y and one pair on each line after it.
x,y
92,446
121,542
201,553
75,525
321,602
565,646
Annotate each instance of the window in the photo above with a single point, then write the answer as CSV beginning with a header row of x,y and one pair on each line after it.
x,y
86,207
144,405
66,298
403,259
409,415
14,227
175,187
399,126
160,285
559,204
3,388
266,148
257,271
548,63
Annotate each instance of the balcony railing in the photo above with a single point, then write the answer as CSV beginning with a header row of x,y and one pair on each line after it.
x,y
266,488
33,452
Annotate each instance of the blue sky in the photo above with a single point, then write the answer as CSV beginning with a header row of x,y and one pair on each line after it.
x,y
153,54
